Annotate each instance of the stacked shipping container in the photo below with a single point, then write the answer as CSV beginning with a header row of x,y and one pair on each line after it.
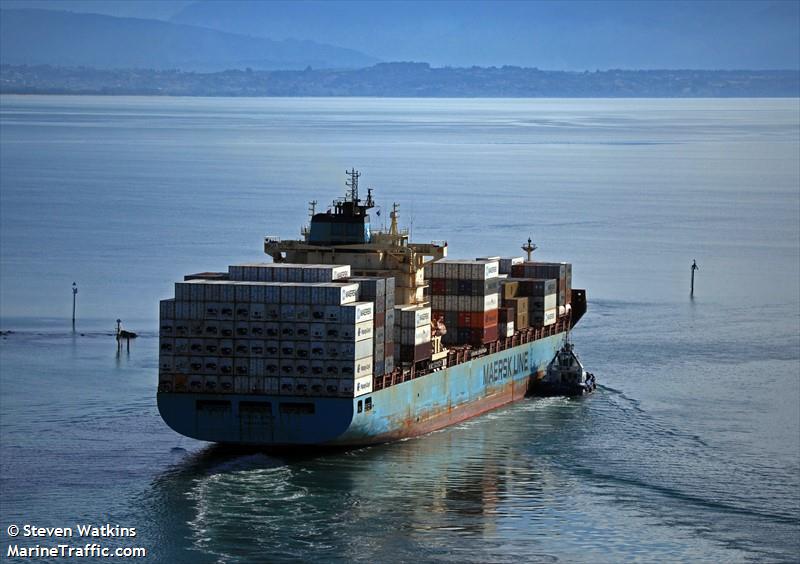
x,y
530,301
504,263
299,338
465,294
560,271
285,272
413,333
380,291
509,320
298,329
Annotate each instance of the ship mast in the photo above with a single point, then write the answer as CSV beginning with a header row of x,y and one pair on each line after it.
x,y
529,248
352,184
393,230
312,209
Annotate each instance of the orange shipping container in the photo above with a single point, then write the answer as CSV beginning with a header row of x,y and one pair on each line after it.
x,y
478,319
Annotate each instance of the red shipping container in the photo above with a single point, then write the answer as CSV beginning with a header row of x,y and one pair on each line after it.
x,y
490,334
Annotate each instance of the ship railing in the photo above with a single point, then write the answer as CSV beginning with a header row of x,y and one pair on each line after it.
x,y
460,355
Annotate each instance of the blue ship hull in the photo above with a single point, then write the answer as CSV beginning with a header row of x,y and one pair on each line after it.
x,y
407,409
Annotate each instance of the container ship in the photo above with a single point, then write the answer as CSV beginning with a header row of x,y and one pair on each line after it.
x,y
354,336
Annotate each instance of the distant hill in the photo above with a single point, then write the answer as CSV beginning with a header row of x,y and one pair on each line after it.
x,y
554,35
404,79
37,37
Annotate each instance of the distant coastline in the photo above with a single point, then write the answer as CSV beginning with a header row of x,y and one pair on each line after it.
x,y
403,80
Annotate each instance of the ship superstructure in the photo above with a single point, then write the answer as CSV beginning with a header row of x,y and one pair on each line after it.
x,y
354,335
343,235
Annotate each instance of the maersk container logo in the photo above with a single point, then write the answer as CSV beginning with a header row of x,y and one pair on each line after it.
x,y
362,367
363,385
505,368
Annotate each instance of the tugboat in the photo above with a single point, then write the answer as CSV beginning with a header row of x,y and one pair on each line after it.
x,y
565,376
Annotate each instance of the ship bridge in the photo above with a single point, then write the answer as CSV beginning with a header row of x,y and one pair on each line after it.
x,y
342,235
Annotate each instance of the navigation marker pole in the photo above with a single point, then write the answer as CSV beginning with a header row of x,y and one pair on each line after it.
x,y
74,297
694,267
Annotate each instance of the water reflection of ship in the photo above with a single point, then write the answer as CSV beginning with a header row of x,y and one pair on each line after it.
x,y
471,477
460,478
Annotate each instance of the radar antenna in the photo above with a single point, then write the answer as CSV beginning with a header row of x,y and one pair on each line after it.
x,y
529,248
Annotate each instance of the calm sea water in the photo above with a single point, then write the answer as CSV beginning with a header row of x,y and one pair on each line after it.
x,y
690,451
